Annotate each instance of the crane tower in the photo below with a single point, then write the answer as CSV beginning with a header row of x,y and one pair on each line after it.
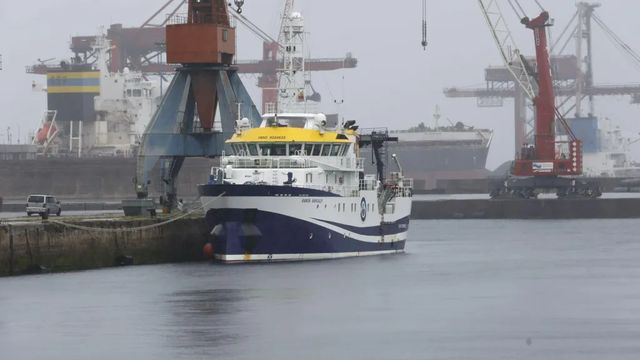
x,y
205,85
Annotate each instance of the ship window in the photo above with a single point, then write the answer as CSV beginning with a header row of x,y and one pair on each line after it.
x,y
129,92
279,150
326,149
137,93
243,149
253,149
238,149
335,150
316,149
295,149
274,149
308,149
343,150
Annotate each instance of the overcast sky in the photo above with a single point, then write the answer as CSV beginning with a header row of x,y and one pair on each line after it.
x,y
396,84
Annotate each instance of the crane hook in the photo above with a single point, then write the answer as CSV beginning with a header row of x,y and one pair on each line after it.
x,y
424,25
239,4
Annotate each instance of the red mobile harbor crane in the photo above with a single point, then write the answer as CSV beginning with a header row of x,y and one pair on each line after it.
x,y
548,164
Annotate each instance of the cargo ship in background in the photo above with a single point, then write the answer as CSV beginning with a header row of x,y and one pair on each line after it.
x,y
439,153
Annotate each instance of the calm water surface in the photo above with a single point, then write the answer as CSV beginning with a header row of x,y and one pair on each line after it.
x,y
465,290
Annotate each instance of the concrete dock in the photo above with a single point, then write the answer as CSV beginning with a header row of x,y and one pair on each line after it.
x,y
28,247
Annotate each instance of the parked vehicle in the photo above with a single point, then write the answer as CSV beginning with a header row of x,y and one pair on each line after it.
x,y
43,205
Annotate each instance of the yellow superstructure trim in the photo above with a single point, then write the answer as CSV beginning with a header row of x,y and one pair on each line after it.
x,y
73,89
74,75
286,134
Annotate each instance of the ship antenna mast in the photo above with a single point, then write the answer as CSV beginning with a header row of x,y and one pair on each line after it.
x,y
437,116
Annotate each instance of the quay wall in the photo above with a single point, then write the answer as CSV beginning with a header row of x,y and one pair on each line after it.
x,y
35,247
627,208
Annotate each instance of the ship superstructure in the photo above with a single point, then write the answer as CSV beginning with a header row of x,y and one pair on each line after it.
x,y
607,150
95,112
124,107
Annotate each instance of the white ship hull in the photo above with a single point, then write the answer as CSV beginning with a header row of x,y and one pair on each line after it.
x,y
261,223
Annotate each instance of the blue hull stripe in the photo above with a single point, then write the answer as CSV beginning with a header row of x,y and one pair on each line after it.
x,y
260,190
393,228
249,231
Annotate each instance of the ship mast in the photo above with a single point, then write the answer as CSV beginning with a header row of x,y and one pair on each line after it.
x,y
293,78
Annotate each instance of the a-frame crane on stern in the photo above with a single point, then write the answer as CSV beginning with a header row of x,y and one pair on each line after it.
x,y
548,164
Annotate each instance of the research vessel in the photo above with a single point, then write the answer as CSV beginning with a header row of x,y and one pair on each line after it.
x,y
293,189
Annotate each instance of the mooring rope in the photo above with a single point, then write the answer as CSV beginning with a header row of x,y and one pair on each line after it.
x,y
140,228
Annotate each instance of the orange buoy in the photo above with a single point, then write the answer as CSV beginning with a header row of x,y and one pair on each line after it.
x,y
208,250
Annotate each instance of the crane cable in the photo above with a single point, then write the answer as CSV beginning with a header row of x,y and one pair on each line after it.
x,y
540,6
617,41
519,10
522,14
424,25
139,228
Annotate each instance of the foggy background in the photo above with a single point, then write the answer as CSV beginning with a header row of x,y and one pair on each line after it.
x,y
396,83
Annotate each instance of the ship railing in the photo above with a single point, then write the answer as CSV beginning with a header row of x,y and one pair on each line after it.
x,y
406,188
242,162
266,163
407,183
368,184
400,188
374,131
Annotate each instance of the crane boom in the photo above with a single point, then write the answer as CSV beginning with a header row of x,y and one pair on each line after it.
x,y
545,100
507,47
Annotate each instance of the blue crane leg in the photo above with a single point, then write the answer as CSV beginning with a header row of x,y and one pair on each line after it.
x,y
171,137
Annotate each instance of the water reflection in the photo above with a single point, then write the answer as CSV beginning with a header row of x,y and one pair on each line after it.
x,y
205,319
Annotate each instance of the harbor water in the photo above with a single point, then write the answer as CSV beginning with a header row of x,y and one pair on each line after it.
x,y
464,290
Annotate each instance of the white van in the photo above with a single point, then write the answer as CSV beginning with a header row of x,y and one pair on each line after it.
x,y
43,205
